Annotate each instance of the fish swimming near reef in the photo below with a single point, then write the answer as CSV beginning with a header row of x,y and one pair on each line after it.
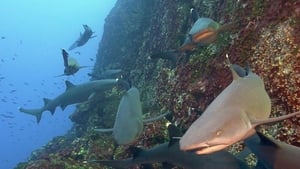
x,y
274,154
203,32
73,94
169,154
83,38
70,64
129,121
232,116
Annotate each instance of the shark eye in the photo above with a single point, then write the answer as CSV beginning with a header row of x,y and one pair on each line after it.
x,y
219,132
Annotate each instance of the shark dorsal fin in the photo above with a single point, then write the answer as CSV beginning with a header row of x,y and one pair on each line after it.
x,y
235,75
69,85
135,151
265,140
174,132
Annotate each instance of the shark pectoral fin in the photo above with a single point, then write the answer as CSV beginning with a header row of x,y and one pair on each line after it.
x,y
273,120
155,118
174,132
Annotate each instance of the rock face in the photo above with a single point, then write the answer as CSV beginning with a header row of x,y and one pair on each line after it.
x,y
266,34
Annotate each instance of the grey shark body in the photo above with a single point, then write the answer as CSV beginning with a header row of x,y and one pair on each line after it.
x,y
170,153
273,154
73,94
129,121
83,38
232,116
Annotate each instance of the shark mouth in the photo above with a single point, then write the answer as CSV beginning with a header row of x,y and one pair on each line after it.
x,y
206,149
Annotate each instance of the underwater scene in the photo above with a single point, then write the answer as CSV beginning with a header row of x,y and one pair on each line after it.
x,y
158,84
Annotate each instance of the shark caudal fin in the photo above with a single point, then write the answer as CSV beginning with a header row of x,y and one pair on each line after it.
x,y
35,112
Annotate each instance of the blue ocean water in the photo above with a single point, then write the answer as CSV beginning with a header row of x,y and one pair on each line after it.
x,y
32,34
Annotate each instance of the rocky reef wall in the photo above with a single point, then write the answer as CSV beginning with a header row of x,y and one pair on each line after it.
x,y
266,35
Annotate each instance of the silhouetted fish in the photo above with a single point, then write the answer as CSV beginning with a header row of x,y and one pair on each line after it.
x,y
73,94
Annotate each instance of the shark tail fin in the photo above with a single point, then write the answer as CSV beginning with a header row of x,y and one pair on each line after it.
x,y
35,112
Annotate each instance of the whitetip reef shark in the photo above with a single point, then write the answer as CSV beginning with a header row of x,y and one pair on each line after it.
x,y
273,154
71,65
129,121
169,153
232,116
83,38
73,94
